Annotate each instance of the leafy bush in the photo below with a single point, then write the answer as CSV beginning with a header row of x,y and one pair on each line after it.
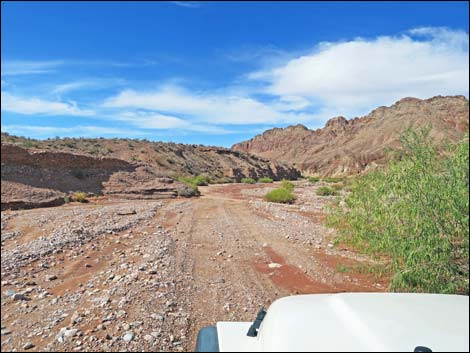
x,y
248,181
326,191
281,195
188,190
265,180
416,213
286,184
313,179
196,180
80,197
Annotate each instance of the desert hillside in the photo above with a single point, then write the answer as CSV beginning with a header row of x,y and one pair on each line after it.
x,y
172,159
345,147
41,173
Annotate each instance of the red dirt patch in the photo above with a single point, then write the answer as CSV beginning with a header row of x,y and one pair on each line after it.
x,y
288,276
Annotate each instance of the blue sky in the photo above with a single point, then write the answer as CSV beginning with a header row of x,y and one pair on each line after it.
x,y
217,73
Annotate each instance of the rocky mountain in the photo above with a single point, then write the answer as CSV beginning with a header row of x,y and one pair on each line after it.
x,y
345,147
36,173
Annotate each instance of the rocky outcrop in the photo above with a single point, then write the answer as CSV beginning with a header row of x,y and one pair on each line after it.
x,y
21,196
40,177
345,147
142,183
166,159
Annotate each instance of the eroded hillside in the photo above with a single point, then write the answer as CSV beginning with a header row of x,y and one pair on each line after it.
x,y
41,173
345,147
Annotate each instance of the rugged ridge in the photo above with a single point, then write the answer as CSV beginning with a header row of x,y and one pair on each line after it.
x,y
42,173
345,147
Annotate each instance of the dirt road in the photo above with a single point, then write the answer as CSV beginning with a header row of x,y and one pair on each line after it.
x,y
155,280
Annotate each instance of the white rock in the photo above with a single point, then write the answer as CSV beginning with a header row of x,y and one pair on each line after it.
x,y
274,265
128,336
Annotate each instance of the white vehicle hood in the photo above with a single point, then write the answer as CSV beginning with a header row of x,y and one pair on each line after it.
x,y
356,322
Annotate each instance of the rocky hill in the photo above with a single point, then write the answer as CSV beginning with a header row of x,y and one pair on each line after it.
x,y
39,173
345,147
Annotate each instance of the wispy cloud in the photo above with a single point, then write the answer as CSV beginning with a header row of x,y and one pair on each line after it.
x,y
20,67
204,107
29,67
38,106
189,4
74,131
335,78
158,121
87,84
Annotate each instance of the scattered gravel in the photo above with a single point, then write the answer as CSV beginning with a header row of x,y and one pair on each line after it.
x,y
106,278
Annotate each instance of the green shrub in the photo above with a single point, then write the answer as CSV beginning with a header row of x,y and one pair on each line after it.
x,y
67,199
288,185
191,187
196,180
414,212
313,179
80,196
265,180
248,181
326,191
29,144
188,190
281,195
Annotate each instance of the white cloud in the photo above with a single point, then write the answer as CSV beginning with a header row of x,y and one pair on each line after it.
x,y
189,4
71,86
154,120
339,78
22,67
365,73
208,107
49,131
347,78
37,106
89,84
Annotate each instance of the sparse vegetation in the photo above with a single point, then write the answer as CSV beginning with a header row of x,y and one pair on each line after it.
x,y
192,183
332,180
281,195
337,186
326,191
29,144
222,180
415,212
188,190
288,185
313,179
248,181
341,268
80,196
265,180
195,180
